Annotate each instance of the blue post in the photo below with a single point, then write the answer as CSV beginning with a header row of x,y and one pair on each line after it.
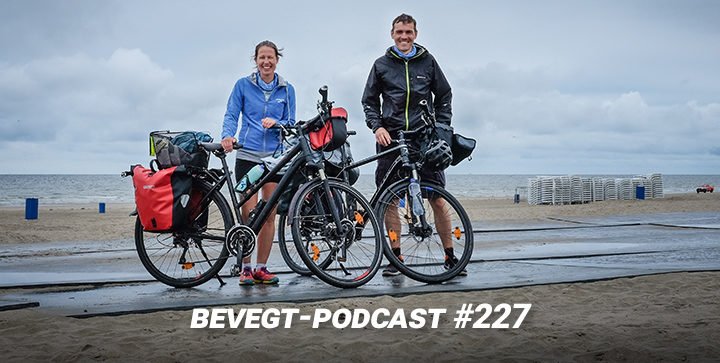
x,y
101,208
31,208
639,192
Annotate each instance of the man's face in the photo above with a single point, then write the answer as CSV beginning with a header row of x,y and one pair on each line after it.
x,y
404,36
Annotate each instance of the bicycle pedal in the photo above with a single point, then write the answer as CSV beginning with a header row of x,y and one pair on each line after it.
x,y
235,270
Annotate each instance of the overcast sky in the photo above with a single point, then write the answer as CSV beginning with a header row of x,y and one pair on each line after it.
x,y
546,87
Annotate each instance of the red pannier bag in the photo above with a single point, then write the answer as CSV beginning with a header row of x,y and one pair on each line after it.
x,y
333,133
162,198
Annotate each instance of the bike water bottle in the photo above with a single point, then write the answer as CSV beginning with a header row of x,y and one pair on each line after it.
x,y
416,198
252,176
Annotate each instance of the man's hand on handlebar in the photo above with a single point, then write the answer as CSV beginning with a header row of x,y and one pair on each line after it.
x,y
382,136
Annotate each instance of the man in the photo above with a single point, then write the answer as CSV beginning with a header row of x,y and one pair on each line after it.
x,y
406,74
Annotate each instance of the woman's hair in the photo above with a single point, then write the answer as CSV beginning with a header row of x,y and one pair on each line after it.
x,y
267,43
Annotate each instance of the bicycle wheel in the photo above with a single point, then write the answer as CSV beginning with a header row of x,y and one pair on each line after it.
x,y
288,250
195,254
423,247
345,256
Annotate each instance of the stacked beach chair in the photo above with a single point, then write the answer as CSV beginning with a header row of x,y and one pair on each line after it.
x,y
573,189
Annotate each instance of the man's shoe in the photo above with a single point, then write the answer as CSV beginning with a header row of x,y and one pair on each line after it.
x,y
390,270
450,262
246,277
263,276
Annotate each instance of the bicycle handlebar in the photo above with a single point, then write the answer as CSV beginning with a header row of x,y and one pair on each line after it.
x,y
324,93
324,107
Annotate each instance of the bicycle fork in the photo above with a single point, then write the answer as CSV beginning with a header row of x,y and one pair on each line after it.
x,y
341,229
417,208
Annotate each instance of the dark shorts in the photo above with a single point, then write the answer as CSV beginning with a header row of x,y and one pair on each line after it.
x,y
383,168
243,166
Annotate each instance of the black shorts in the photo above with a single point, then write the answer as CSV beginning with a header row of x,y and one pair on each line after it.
x,y
243,166
383,168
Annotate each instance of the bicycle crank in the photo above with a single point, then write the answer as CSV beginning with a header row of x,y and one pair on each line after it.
x,y
241,236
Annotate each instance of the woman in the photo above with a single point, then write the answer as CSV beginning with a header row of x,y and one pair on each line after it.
x,y
264,99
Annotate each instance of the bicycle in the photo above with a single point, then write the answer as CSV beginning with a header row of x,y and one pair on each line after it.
x,y
422,245
342,256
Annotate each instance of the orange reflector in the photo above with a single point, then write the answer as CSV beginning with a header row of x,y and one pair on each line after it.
x,y
316,252
359,218
188,265
393,235
457,233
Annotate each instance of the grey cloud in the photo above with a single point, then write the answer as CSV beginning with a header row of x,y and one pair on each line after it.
x,y
596,82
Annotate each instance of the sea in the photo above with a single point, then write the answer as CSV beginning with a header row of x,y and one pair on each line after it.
x,y
90,189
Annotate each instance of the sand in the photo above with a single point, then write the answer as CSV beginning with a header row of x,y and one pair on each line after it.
x,y
674,317
83,222
670,317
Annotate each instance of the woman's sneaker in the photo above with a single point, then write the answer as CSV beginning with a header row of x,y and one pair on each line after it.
x,y
246,277
263,276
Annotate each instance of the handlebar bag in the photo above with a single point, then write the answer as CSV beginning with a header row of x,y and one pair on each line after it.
x,y
162,198
462,148
333,133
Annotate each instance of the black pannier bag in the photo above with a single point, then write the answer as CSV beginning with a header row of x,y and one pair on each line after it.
x,y
179,148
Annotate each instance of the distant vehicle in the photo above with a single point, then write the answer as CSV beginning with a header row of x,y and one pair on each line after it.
x,y
705,188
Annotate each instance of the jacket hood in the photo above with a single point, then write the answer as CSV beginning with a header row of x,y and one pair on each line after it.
x,y
281,81
392,54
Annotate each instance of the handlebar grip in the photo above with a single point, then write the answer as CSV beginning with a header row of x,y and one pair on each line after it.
x,y
324,93
351,132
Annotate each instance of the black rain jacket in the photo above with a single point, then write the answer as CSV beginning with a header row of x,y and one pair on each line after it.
x,y
402,84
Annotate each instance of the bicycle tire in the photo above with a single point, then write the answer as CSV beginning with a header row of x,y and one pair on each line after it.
x,y
361,247
204,238
288,250
423,255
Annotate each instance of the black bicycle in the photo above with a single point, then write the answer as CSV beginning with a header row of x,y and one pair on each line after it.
x,y
422,218
329,219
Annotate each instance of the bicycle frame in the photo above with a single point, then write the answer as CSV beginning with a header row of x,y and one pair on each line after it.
x,y
259,216
401,161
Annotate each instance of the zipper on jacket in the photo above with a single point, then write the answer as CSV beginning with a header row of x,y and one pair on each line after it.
x,y
407,98
264,143
407,85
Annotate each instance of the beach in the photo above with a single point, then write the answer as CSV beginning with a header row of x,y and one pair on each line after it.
x,y
667,317
82,222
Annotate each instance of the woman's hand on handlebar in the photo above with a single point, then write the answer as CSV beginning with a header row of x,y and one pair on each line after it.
x,y
227,143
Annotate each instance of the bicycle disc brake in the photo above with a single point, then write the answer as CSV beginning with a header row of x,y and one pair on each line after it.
x,y
243,236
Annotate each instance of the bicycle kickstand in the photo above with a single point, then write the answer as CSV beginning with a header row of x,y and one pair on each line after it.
x,y
220,280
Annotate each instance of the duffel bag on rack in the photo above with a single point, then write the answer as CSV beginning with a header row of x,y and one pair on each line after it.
x,y
162,198
179,148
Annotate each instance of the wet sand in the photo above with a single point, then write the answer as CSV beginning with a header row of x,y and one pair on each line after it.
x,y
669,317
